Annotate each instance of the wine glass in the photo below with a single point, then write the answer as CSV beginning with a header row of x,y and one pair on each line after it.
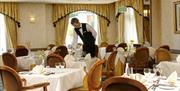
x,y
62,64
57,64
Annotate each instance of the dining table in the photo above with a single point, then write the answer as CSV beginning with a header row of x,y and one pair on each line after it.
x,y
60,79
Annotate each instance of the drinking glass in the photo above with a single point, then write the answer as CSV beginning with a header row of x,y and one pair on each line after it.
x,y
158,71
62,65
146,72
152,73
57,64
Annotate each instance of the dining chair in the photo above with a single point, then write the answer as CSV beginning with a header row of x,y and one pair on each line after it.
x,y
110,65
110,48
54,58
162,54
12,82
123,45
96,51
10,60
50,46
62,51
137,45
165,47
21,51
103,44
140,60
122,84
92,79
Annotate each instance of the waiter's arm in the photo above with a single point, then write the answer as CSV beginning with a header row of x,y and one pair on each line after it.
x,y
75,40
91,29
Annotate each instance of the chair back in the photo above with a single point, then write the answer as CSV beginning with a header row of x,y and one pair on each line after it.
x,y
96,50
141,59
62,51
110,64
137,45
21,51
165,47
122,84
162,55
10,79
110,48
123,45
103,44
94,76
9,60
54,58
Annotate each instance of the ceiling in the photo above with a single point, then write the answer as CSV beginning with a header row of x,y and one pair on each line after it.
x,y
64,1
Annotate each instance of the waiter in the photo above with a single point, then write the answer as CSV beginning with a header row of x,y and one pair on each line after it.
x,y
87,35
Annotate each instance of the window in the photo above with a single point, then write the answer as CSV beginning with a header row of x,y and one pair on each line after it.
x,y
2,34
84,17
130,26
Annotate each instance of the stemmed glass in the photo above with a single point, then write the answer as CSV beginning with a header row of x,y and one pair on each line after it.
x,y
62,65
57,64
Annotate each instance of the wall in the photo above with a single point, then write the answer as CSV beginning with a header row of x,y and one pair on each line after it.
x,y
41,32
156,23
167,25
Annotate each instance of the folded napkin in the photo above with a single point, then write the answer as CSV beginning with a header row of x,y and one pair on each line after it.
x,y
87,57
178,58
120,49
39,69
54,48
102,52
69,58
172,79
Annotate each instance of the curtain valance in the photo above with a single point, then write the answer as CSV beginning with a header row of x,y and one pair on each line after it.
x,y
10,10
137,5
62,10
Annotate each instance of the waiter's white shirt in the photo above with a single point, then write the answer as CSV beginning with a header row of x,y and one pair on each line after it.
x,y
89,28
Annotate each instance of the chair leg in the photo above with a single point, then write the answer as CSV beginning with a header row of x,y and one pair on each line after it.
x,y
45,88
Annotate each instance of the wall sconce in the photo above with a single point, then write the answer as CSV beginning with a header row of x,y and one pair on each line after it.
x,y
32,19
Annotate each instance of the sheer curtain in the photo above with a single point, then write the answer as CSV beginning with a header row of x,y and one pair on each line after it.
x,y
130,32
3,43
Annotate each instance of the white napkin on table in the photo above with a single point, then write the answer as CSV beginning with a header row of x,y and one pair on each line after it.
x,y
120,49
54,48
69,58
39,69
87,57
102,52
178,58
172,79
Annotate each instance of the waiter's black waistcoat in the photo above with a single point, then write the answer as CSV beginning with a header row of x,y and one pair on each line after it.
x,y
88,40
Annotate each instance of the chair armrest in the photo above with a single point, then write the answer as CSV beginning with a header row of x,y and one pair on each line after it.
x,y
35,86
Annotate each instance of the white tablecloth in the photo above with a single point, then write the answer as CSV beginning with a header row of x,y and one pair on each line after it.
x,y
62,80
169,67
81,63
164,86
